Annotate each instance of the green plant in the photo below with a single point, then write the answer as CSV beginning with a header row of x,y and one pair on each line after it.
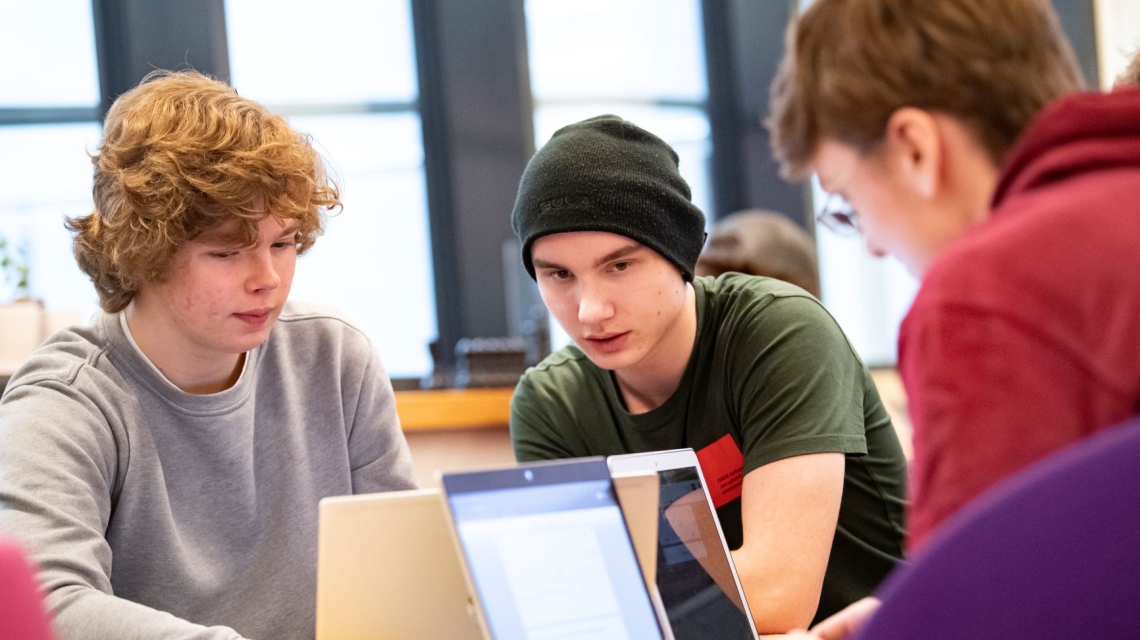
x,y
14,267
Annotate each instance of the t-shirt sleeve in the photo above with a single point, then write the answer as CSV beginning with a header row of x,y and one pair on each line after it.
x,y
378,451
800,385
534,429
59,460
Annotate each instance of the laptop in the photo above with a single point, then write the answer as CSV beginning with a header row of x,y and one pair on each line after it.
x,y
547,553
696,580
386,568
387,565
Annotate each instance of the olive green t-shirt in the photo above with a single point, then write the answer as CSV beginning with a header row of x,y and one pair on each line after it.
x,y
772,370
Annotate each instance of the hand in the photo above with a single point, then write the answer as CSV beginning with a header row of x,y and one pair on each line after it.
x,y
842,625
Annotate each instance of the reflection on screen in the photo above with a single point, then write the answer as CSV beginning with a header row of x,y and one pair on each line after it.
x,y
694,574
554,562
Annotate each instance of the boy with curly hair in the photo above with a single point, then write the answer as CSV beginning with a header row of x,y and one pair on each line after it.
x,y
186,437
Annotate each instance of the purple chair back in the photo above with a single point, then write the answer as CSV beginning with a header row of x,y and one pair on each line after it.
x,y
1053,552
22,615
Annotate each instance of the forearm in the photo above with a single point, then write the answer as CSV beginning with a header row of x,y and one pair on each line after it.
x,y
83,613
789,512
777,600
57,470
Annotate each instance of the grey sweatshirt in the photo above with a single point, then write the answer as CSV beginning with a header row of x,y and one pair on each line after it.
x,y
154,513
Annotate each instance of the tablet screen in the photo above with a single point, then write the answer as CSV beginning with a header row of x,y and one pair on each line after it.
x,y
549,553
694,574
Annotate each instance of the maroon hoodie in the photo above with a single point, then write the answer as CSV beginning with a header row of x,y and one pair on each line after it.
x,y
1025,335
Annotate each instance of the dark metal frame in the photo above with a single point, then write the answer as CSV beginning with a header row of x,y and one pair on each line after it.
x,y
476,112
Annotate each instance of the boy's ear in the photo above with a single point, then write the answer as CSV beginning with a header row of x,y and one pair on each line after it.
x,y
915,149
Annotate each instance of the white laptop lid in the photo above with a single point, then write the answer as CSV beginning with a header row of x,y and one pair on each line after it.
x,y
548,553
696,579
387,568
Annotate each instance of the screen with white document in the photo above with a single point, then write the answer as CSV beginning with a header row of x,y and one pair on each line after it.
x,y
549,553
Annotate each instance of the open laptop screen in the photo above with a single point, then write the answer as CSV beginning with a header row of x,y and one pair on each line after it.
x,y
549,554
694,574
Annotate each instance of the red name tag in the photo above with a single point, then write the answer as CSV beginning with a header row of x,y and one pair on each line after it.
x,y
723,466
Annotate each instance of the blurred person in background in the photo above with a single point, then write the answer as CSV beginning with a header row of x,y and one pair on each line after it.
x,y
761,243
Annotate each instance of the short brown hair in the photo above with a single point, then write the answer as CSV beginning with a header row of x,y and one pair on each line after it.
x,y
849,64
761,243
182,154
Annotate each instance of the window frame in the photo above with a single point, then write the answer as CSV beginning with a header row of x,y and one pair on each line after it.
x,y
477,118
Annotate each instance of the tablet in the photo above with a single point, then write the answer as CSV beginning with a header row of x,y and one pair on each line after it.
x,y
548,554
386,568
696,579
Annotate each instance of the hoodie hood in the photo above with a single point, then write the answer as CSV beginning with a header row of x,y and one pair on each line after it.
x,y
1076,134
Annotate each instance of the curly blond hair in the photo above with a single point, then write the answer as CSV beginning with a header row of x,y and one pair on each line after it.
x,y
183,155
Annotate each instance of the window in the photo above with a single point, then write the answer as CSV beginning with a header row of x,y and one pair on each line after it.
x,y
346,75
1118,37
640,59
868,296
44,129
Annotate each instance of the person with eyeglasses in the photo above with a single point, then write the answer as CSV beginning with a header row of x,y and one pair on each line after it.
x,y
839,217
803,463
958,131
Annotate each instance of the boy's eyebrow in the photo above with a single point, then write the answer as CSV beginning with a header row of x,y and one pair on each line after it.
x,y
613,255
218,240
226,240
543,264
618,253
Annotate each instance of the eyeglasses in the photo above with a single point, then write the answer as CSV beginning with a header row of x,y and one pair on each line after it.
x,y
838,216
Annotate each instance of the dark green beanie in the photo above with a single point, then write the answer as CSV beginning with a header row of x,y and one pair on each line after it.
x,y
607,174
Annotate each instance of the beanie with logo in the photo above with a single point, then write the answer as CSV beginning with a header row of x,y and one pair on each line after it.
x,y
608,174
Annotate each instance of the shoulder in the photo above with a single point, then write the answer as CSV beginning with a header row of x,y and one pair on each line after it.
x,y
754,308
319,345
738,295
68,393
975,270
303,318
306,331
552,402
562,373
1067,241
67,358
731,286
563,383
